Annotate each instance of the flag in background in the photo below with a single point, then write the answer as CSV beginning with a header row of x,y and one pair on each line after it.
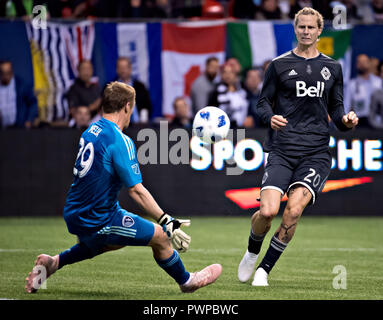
x,y
56,52
79,40
185,48
337,45
366,39
105,52
141,42
41,82
14,47
255,42
132,43
166,57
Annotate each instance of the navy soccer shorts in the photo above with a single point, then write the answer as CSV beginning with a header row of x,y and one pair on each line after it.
x,y
284,172
125,229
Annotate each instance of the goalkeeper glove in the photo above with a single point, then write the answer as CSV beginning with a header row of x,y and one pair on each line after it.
x,y
180,240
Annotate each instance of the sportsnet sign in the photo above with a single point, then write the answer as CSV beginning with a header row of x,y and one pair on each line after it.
x,y
238,153
230,172
358,155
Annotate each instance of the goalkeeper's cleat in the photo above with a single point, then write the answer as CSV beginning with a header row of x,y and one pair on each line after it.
x,y
36,278
246,266
260,278
202,278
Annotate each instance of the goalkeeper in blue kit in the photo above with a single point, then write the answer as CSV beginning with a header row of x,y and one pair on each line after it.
x,y
106,161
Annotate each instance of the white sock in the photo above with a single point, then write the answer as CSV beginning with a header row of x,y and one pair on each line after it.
x,y
188,281
252,255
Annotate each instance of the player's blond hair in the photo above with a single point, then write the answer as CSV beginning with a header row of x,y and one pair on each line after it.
x,y
116,95
309,11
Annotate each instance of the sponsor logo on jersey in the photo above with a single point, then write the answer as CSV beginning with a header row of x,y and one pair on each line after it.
x,y
127,221
293,73
312,91
326,74
95,130
135,168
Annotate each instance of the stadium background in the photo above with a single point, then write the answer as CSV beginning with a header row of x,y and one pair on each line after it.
x,y
167,56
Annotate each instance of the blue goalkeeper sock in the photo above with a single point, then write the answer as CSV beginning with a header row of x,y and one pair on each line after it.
x,y
174,268
77,253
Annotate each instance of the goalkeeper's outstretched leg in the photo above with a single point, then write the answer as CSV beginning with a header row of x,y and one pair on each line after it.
x,y
115,237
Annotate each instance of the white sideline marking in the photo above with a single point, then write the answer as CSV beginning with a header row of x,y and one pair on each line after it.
x,y
347,249
38,250
20,250
233,250
217,250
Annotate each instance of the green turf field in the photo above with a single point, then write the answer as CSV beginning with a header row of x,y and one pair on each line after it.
x,y
303,272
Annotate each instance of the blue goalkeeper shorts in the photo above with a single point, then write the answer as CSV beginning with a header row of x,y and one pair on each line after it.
x,y
125,229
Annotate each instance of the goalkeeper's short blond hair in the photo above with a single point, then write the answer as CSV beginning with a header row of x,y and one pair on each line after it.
x,y
309,11
116,95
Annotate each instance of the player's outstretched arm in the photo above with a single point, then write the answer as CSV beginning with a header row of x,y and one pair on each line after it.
x,y
146,201
171,226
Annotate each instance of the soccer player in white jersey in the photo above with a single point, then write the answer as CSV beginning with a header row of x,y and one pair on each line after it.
x,y
106,161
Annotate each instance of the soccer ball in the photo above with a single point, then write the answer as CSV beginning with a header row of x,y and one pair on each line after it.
x,y
211,124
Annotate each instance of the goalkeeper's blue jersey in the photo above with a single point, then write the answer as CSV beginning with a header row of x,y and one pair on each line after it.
x,y
106,161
